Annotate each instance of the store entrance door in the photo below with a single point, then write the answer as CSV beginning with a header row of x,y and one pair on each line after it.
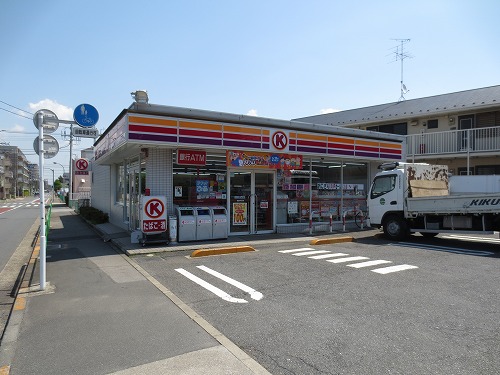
x,y
251,201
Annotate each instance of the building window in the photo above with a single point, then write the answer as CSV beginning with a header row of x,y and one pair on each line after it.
x,y
400,128
120,184
432,124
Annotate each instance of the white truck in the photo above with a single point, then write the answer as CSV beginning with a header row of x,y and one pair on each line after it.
x,y
406,198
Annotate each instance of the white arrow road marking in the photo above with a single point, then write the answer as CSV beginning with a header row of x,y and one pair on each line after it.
x,y
368,263
218,292
253,293
386,270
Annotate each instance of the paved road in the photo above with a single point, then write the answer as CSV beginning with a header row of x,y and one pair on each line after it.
x,y
18,217
368,307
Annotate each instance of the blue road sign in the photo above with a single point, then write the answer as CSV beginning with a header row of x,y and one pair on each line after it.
x,y
86,115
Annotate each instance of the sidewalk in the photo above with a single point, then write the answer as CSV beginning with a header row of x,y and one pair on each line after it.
x,y
101,313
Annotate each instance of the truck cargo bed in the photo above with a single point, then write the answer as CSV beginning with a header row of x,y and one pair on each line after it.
x,y
454,204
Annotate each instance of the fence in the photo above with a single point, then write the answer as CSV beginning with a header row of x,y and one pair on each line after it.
x,y
454,142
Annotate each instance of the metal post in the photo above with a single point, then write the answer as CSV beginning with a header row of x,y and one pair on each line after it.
x,y
468,151
310,197
70,192
42,203
342,188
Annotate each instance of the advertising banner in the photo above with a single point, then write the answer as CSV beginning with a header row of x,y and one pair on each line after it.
x,y
266,160
240,213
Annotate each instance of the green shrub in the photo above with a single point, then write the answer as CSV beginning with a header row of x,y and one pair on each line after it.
x,y
94,215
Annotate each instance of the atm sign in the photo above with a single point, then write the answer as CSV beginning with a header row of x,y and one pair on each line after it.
x,y
191,157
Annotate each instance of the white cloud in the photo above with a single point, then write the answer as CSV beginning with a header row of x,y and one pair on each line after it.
x,y
17,129
328,110
252,112
61,111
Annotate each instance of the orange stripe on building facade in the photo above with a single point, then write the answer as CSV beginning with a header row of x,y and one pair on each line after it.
x,y
200,125
241,129
152,121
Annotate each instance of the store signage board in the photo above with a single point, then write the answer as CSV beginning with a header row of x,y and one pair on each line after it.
x,y
81,167
153,214
191,157
86,115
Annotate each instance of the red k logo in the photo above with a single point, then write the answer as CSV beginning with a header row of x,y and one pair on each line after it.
x,y
280,140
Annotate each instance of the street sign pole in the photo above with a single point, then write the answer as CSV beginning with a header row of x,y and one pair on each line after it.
x,y
42,204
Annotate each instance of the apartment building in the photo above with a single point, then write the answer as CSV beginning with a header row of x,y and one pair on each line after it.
x,y
460,129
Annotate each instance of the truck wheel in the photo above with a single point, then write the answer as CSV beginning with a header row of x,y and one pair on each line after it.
x,y
395,227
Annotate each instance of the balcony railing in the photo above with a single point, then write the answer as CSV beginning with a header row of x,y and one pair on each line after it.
x,y
454,142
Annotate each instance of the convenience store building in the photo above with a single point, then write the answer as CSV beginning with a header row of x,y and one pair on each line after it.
x,y
271,175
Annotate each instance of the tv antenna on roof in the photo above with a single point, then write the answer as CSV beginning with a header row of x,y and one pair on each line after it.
x,y
400,54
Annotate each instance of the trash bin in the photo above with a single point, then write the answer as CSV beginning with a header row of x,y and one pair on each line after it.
x,y
172,228
186,224
203,223
219,222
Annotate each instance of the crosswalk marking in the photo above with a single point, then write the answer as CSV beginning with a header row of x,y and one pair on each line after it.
x,y
326,256
387,270
295,250
344,260
310,253
369,263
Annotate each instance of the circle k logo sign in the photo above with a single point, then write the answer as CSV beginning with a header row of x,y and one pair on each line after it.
x,y
280,140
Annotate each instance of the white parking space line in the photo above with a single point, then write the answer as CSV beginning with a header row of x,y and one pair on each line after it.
x,y
295,250
369,263
446,249
473,239
387,270
326,256
253,293
218,292
344,260
311,253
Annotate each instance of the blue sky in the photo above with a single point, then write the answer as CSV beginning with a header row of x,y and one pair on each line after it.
x,y
278,59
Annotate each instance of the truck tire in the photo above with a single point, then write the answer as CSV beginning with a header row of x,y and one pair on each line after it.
x,y
395,227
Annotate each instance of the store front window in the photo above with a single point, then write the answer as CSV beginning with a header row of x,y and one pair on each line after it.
x,y
323,189
204,185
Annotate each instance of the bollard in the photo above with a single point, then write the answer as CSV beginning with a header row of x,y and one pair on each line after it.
x,y
361,217
331,223
310,226
343,220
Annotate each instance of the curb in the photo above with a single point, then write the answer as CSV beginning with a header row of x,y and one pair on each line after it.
x,y
224,250
324,241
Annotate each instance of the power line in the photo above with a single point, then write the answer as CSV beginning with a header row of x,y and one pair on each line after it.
x,y
10,105
17,114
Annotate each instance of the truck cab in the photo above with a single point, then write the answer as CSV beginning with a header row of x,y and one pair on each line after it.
x,y
386,198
